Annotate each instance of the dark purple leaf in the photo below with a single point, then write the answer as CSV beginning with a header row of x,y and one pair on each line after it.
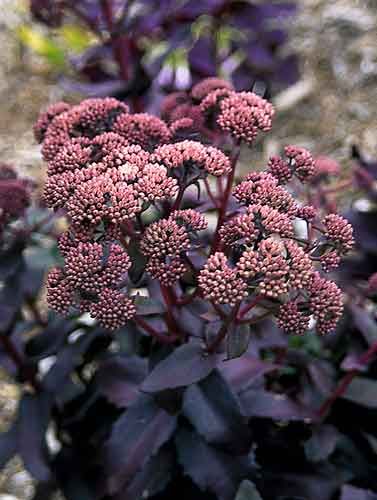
x,y
136,436
353,493
278,9
209,468
100,89
287,70
247,491
242,372
185,366
8,444
118,379
34,414
322,443
362,391
364,322
50,340
352,362
215,412
238,341
201,57
260,403
259,56
322,376
67,360
364,224
243,77
153,478
147,306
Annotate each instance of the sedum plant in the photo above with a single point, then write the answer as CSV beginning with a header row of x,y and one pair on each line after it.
x,y
192,298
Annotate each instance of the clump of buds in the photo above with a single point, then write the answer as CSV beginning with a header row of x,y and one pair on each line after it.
x,y
14,195
138,190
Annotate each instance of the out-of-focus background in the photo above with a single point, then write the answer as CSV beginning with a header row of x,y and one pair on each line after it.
x,y
332,107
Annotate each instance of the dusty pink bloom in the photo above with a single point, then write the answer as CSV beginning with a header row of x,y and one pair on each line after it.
x,y
220,283
280,169
249,265
56,136
330,261
182,128
113,309
14,198
269,221
73,155
164,238
58,189
105,144
274,269
244,115
191,154
46,117
302,162
100,199
191,219
60,294
339,232
187,110
239,230
171,102
154,184
307,212
204,87
133,154
144,129
166,271
90,267
262,188
291,319
300,266
325,303
94,116
210,105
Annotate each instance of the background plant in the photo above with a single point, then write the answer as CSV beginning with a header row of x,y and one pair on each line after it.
x,y
135,49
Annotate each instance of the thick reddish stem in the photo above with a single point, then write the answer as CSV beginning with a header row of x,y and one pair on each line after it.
x,y
154,333
225,199
223,330
19,361
363,360
248,307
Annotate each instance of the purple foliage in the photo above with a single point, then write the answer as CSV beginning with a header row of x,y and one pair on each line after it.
x,y
253,53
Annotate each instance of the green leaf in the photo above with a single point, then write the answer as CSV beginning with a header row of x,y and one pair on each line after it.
x,y
75,38
42,45
248,491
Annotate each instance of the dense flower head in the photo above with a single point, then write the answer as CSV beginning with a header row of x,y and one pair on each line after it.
x,y
124,182
262,188
325,303
60,293
203,88
191,219
339,232
291,319
171,102
239,230
164,238
301,162
244,115
144,129
191,155
280,169
220,283
330,261
166,270
113,309
155,184
7,172
132,153
14,197
46,117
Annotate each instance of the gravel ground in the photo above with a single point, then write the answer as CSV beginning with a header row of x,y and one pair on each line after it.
x,y
333,106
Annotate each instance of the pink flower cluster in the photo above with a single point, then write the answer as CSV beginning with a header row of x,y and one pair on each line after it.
x,y
14,195
124,180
